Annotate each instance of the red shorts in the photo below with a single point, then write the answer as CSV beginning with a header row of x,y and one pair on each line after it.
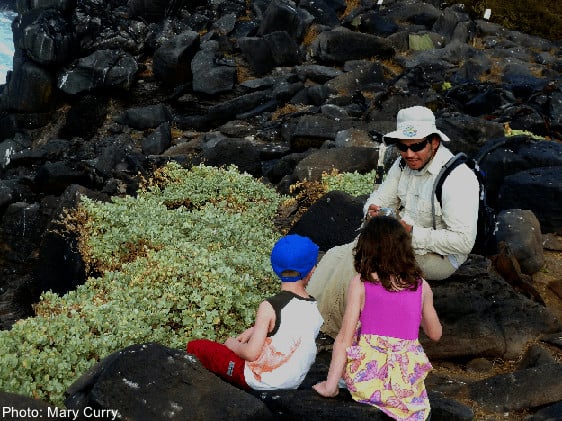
x,y
220,360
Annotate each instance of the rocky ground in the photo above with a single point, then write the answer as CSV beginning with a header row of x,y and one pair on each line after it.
x,y
549,283
551,275
279,121
530,16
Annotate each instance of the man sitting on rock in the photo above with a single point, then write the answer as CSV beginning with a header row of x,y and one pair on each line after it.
x,y
408,190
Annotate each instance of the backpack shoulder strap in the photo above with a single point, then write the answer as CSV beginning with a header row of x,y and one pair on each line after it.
x,y
446,169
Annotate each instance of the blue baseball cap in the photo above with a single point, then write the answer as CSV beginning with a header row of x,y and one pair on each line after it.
x,y
296,253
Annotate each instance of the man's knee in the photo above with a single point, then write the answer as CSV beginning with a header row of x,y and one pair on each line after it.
x,y
435,267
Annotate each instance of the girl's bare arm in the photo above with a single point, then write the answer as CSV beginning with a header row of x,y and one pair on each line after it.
x,y
430,321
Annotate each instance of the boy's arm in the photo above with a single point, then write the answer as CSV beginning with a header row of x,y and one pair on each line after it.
x,y
246,335
430,321
251,350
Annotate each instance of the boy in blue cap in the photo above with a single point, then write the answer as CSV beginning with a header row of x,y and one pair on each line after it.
x,y
279,349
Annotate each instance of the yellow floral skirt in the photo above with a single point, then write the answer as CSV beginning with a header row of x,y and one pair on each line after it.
x,y
389,374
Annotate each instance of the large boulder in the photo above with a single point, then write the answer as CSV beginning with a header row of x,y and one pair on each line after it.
x,y
332,220
483,316
264,53
504,156
101,69
45,36
171,62
339,46
211,73
344,160
153,382
30,89
521,231
539,190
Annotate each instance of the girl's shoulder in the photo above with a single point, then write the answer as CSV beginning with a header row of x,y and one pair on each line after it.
x,y
426,288
357,281
357,285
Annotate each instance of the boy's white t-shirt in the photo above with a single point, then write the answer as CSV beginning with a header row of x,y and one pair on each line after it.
x,y
290,349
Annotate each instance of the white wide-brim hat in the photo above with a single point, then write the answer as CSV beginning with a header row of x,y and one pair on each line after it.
x,y
414,123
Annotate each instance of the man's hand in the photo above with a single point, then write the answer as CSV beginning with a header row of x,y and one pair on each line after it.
x,y
372,211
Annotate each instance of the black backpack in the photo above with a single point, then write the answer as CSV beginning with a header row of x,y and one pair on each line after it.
x,y
485,244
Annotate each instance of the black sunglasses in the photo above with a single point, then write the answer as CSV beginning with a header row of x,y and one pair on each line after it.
x,y
414,147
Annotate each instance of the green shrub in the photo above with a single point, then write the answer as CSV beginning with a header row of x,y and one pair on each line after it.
x,y
353,183
188,257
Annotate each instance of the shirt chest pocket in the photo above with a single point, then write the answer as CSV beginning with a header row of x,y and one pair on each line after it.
x,y
415,197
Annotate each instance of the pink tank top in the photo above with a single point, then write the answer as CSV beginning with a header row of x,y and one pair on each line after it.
x,y
396,314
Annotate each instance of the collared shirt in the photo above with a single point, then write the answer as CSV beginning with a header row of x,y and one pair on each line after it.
x,y
410,191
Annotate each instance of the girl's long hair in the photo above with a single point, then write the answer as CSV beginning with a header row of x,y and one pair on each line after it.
x,y
385,248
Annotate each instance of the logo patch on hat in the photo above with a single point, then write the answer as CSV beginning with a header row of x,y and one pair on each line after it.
x,y
409,131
